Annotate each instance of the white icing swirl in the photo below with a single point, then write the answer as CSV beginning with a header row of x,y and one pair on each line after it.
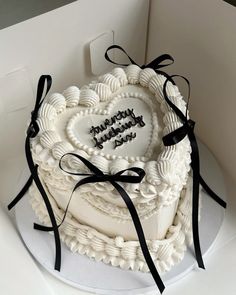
x,y
171,127
97,244
76,163
132,72
61,148
111,81
120,74
145,76
88,98
154,84
112,250
170,117
128,252
45,124
103,91
47,111
171,89
166,170
180,103
148,190
169,153
101,162
49,138
72,96
165,251
58,101
118,165
152,174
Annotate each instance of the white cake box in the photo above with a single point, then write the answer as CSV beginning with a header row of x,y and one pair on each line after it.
x,y
57,43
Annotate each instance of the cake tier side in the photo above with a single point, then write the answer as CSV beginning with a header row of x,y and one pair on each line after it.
x,y
117,251
114,220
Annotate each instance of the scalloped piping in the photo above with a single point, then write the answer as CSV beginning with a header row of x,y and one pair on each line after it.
x,y
152,173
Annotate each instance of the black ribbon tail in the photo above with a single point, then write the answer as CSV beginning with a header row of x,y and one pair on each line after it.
x,y
21,193
195,199
212,194
34,173
141,236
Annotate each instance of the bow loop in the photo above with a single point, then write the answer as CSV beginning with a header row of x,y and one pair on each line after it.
x,y
33,127
155,64
122,50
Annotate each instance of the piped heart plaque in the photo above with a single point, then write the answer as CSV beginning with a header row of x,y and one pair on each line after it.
x,y
118,128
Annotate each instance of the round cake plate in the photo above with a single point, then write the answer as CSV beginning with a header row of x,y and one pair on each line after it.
x,y
97,277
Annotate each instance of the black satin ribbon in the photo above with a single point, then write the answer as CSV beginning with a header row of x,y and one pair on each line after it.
x,y
187,129
155,64
32,131
98,176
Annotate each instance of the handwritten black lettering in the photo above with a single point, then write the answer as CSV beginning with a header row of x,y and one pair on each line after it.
x,y
122,140
114,131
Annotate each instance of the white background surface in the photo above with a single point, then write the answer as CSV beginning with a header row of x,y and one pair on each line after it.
x,y
56,43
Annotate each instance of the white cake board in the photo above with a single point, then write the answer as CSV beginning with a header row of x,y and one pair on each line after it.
x,y
86,274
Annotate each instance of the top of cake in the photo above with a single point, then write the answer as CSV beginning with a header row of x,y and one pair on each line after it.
x,y
116,122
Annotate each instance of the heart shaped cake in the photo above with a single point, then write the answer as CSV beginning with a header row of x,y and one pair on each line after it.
x,y
116,122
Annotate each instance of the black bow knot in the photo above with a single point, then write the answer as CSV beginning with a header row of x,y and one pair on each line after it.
x,y
33,128
177,135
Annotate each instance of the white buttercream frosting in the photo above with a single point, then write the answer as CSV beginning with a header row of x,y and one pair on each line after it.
x,y
118,165
61,148
120,74
58,101
76,163
72,96
45,124
103,90
145,76
132,72
49,138
88,97
111,81
47,111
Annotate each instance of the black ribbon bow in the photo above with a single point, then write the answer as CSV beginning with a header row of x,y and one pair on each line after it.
x,y
98,176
